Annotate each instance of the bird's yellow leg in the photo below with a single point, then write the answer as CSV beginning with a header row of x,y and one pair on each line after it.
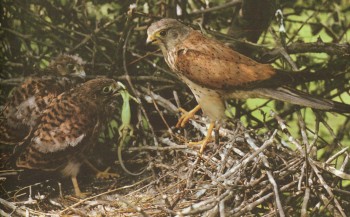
x,y
186,116
78,193
101,174
207,139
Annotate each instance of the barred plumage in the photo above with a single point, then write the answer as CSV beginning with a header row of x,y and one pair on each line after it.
x,y
67,128
27,101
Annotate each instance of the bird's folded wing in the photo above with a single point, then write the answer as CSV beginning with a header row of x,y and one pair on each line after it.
x,y
62,131
214,65
62,127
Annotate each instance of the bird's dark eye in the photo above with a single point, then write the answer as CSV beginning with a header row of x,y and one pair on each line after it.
x,y
70,66
162,33
107,90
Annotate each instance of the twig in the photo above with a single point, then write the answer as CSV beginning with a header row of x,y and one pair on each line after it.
x,y
101,194
286,131
239,211
327,188
268,172
216,8
305,202
14,208
249,158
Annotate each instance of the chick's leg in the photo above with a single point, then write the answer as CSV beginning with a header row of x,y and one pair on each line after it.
x,y
78,193
101,174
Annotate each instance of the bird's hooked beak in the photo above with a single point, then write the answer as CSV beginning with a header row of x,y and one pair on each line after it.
x,y
151,39
79,72
121,85
117,88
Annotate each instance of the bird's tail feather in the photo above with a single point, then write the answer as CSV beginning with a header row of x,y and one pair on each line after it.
x,y
304,99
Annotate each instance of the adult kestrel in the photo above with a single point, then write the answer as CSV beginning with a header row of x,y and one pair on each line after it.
x,y
68,128
214,72
27,101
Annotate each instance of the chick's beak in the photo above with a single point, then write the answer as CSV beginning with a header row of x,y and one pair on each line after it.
x,y
121,85
151,39
117,88
79,72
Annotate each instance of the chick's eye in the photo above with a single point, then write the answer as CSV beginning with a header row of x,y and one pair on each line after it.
x,y
107,89
70,66
162,33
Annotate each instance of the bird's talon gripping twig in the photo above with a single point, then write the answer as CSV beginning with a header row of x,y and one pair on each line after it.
x,y
186,116
203,143
206,140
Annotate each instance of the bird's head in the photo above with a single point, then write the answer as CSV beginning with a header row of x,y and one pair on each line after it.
x,y
102,91
68,65
167,33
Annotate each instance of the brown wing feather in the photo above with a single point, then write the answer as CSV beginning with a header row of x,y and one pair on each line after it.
x,y
210,63
65,129
27,103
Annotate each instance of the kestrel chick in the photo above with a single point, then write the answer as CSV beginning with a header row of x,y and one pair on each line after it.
x,y
27,101
67,128
67,65
214,72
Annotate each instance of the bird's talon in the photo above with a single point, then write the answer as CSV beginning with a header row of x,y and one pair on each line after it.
x,y
82,195
206,140
105,174
186,116
203,143
183,119
182,110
